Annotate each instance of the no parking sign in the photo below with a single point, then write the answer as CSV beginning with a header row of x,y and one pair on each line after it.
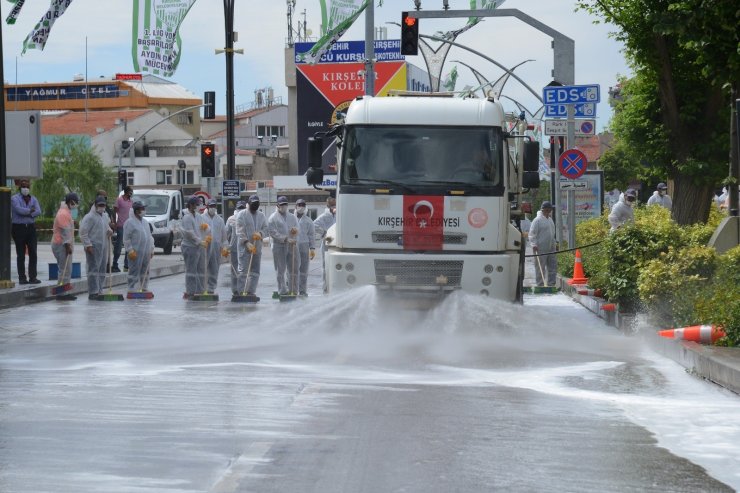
x,y
572,164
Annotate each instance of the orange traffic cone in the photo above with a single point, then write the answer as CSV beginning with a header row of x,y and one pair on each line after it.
x,y
578,276
590,292
704,334
609,307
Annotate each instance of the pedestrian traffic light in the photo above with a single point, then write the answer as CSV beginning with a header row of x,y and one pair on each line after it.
x,y
208,160
409,34
209,108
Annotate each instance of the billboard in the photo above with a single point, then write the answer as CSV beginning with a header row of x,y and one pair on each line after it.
x,y
326,89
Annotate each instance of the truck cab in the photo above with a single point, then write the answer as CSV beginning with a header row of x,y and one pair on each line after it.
x,y
427,189
163,211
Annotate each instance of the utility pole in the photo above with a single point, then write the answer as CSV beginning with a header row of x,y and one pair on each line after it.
x,y
229,51
5,191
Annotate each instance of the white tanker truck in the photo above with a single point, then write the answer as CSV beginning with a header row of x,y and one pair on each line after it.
x,y
428,188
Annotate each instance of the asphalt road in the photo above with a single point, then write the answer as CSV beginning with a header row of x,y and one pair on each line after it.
x,y
347,393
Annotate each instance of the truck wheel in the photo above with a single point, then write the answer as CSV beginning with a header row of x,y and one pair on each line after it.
x,y
168,246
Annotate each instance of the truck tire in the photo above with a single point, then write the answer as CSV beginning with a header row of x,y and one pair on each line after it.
x,y
168,245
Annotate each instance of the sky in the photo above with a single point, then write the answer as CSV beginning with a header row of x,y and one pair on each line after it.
x,y
105,28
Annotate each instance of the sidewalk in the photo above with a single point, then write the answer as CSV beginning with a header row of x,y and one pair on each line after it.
x,y
720,365
162,265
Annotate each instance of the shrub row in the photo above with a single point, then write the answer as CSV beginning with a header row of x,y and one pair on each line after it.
x,y
662,269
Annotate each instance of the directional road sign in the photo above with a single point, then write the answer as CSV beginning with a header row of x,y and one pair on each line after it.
x,y
571,94
560,127
582,110
572,164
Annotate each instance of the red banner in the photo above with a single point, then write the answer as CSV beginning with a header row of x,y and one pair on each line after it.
x,y
423,222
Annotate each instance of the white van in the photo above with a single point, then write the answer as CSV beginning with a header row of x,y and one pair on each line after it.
x,y
163,211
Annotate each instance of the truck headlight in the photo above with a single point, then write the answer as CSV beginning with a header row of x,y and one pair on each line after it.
x,y
161,224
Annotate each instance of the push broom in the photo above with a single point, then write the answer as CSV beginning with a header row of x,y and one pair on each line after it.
x,y
205,295
110,295
245,297
63,287
141,294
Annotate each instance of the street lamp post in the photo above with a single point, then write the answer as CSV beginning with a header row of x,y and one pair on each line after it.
x,y
5,191
229,51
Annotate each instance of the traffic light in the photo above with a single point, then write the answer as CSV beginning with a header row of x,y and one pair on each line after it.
x,y
409,35
208,160
209,110
122,178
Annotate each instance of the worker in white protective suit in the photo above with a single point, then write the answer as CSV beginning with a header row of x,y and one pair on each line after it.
x,y
233,241
217,246
138,243
283,229
95,233
660,197
251,228
194,245
322,224
622,211
306,245
542,239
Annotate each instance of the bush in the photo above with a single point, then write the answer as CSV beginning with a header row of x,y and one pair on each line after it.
x,y
721,305
671,285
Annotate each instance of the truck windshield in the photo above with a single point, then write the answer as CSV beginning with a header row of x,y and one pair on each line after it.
x,y
422,155
156,205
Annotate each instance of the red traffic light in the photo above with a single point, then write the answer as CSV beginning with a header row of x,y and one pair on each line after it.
x,y
410,21
207,150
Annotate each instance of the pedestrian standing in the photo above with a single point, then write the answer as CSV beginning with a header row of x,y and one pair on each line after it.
x,y
95,233
194,244
306,244
138,244
251,227
233,239
24,209
660,197
283,228
215,245
322,224
63,240
544,246
623,212
121,211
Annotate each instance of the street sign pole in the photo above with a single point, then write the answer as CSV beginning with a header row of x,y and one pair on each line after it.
x,y
571,193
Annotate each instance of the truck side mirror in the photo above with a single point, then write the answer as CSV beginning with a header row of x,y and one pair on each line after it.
x,y
531,156
315,175
531,179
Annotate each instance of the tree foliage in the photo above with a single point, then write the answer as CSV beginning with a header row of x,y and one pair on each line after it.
x,y
71,166
676,109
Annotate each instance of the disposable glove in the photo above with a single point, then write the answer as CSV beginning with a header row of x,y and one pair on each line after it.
x,y
311,254
132,255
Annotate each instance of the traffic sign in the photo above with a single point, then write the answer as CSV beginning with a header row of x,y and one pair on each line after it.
x,y
571,94
582,110
573,185
572,164
230,189
560,127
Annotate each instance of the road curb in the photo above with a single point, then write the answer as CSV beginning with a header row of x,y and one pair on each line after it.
x,y
40,293
720,365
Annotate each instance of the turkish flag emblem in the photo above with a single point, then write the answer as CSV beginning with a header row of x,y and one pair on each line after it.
x,y
423,222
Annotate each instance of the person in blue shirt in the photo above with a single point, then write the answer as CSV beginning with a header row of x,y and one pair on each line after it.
x,y
24,209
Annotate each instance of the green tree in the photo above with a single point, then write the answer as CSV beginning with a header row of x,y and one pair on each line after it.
x,y
71,166
674,114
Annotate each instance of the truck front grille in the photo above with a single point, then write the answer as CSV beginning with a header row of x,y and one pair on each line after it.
x,y
396,238
419,272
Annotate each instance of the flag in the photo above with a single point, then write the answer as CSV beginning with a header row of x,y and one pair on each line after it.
x,y
335,22
450,80
156,43
481,5
36,39
15,11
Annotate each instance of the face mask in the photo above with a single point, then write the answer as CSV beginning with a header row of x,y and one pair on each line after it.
x,y
254,206
75,212
333,210
211,211
139,212
300,210
100,209
283,209
25,191
661,192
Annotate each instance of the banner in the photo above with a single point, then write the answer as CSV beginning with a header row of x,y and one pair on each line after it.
x,y
156,44
36,40
481,5
341,15
15,12
450,80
